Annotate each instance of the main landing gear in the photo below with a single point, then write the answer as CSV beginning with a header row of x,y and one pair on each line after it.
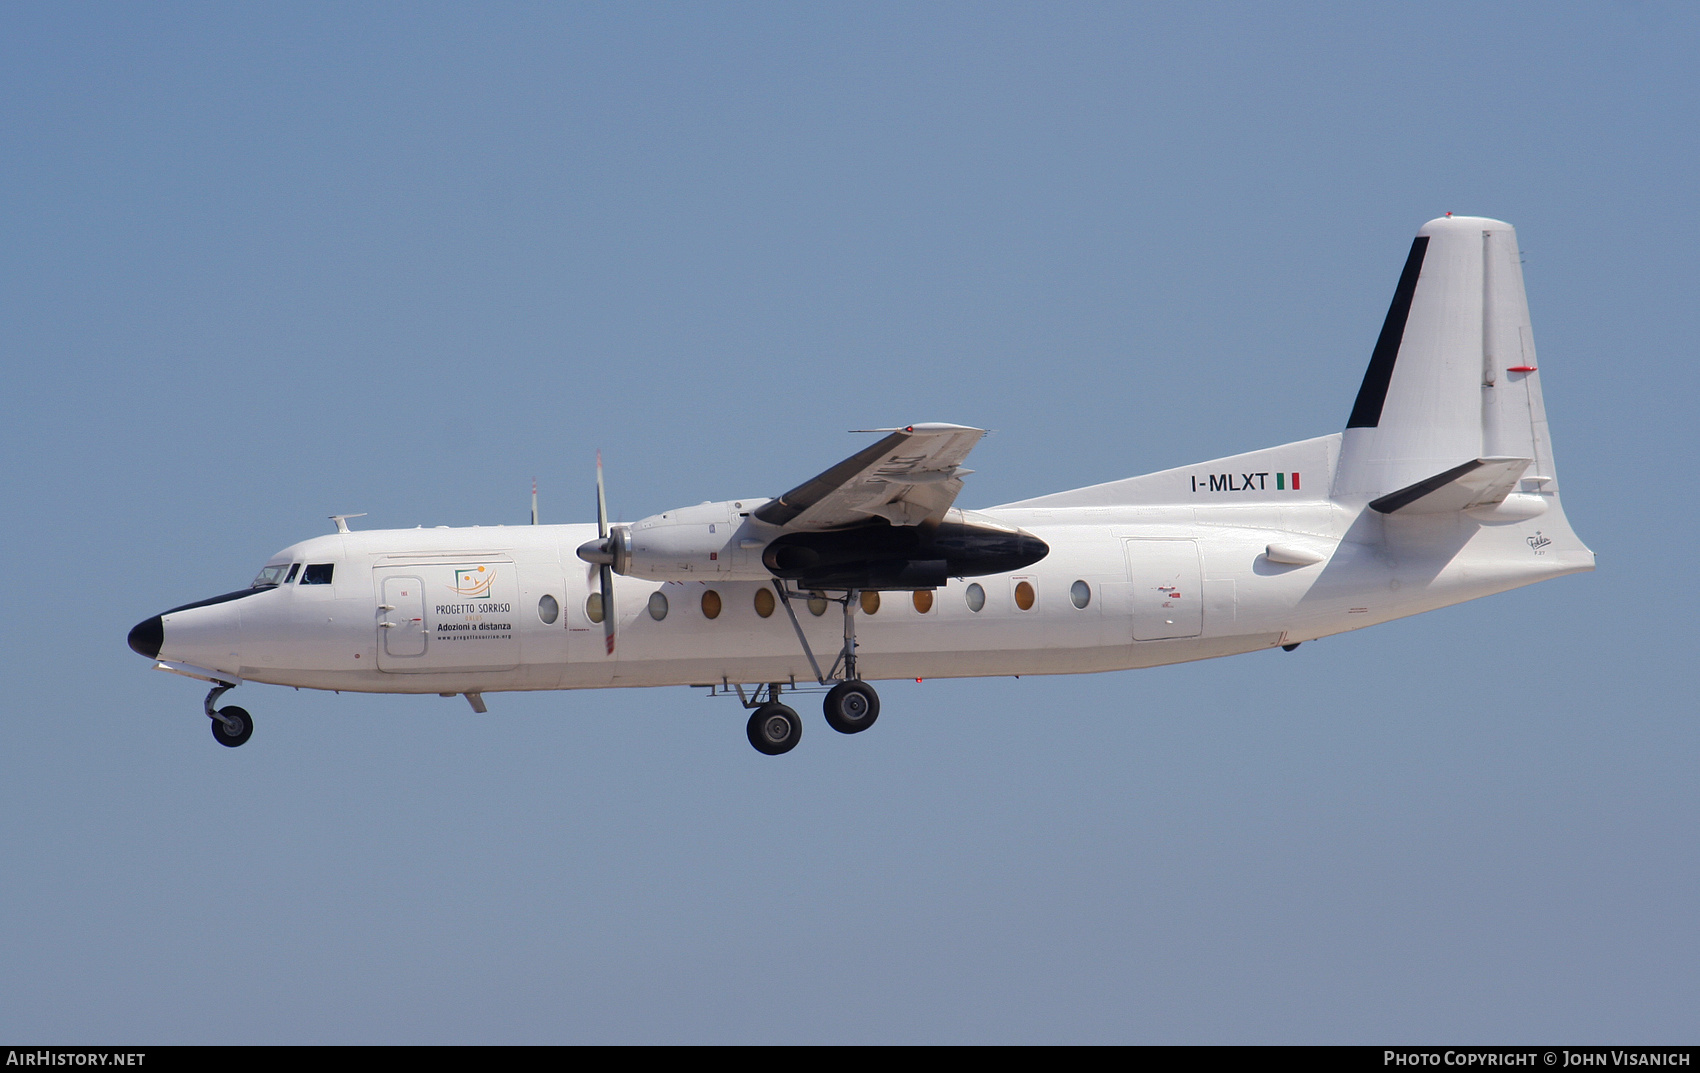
x,y
231,726
851,705
775,728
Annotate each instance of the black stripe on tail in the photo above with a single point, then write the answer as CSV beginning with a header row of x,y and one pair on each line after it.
x,y
1366,412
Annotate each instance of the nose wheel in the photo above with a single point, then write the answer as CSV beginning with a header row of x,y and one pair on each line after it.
x,y
231,726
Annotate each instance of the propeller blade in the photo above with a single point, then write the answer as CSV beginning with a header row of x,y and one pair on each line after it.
x,y
601,502
605,569
608,615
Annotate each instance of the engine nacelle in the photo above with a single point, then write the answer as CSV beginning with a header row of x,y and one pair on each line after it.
x,y
708,541
723,541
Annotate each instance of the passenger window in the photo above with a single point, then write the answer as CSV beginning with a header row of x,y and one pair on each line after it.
x,y
317,574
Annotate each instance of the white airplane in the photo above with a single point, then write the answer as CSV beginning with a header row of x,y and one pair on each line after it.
x,y
1441,489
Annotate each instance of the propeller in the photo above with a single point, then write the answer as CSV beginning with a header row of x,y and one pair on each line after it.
x,y
605,568
601,552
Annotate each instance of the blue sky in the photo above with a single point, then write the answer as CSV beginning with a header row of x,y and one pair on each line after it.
x,y
263,266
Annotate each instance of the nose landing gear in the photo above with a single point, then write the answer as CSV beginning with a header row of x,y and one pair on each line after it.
x,y
231,726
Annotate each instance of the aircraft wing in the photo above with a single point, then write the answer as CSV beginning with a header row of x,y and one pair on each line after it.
x,y
910,476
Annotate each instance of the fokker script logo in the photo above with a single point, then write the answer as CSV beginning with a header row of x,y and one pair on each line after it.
x,y
1537,542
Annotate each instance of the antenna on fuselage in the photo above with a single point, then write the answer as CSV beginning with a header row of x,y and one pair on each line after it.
x,y
534,501
341,520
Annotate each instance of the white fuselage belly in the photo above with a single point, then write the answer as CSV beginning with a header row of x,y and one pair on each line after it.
x,y
1165,585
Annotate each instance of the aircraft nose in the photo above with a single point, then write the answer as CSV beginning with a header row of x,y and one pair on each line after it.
x,y
147,637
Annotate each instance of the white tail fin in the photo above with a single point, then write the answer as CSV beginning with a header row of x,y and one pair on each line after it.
x,y
1449,416
1453,376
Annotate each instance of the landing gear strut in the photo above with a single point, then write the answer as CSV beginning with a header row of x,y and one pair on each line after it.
x,y
852,705
231,726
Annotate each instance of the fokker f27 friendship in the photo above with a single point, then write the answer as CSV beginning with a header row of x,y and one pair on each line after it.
x,y
1440,489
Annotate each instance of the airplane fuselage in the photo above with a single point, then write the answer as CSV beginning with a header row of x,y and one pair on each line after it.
x,y
487,609
1441,488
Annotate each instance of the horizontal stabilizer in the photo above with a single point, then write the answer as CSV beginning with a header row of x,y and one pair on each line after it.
x,y
1478,483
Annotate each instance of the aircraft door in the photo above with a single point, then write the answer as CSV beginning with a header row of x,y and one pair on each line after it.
x,y
1167,589
401,620
465,613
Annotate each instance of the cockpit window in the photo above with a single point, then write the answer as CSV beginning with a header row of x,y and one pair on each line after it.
x,y
294,568
317,574
270,576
